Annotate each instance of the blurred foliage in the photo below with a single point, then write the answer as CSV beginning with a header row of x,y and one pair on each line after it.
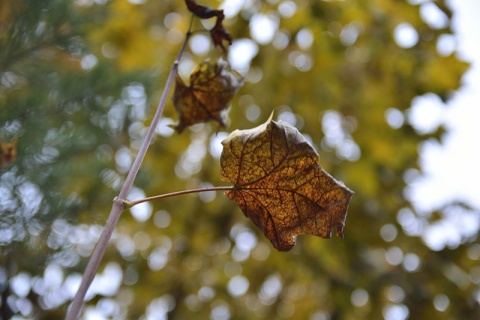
x,y
78,84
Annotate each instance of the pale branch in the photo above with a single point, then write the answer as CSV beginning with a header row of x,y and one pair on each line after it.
x,y
129,204
118,205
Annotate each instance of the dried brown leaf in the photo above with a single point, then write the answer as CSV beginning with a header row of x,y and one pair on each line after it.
x,y
280,185
212,87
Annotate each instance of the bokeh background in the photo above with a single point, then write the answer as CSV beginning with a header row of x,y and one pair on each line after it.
x,y
364,81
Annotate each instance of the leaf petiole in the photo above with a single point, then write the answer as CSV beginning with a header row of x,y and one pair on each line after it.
x,y
128,204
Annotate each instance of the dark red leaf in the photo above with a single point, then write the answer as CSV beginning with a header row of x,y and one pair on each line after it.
x,y
218,34
203,12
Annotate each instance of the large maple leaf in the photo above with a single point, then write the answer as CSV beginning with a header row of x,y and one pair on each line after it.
x,y
280,185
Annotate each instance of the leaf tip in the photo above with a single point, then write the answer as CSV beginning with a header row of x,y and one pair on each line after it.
x,y
127,204
179,128
340,231
271,116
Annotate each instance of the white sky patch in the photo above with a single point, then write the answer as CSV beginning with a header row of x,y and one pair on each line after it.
x,y
446,44
141,212
458,223
107,282
395,118
426,113
200,44
405,35
232,7
163,128
263,27
241,53
433,16
451,169
238,286
215,146
466,25
88,62
305,38
287,9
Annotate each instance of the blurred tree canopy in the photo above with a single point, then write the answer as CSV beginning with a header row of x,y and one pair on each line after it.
x,y
79,81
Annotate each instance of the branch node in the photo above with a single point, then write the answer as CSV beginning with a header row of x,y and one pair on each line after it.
x,y
127,204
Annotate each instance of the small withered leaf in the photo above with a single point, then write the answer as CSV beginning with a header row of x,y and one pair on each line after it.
x,y
212,87
219,34
8,153
280,185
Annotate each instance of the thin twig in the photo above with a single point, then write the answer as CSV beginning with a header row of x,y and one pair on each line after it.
x,y
118,206
129,204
